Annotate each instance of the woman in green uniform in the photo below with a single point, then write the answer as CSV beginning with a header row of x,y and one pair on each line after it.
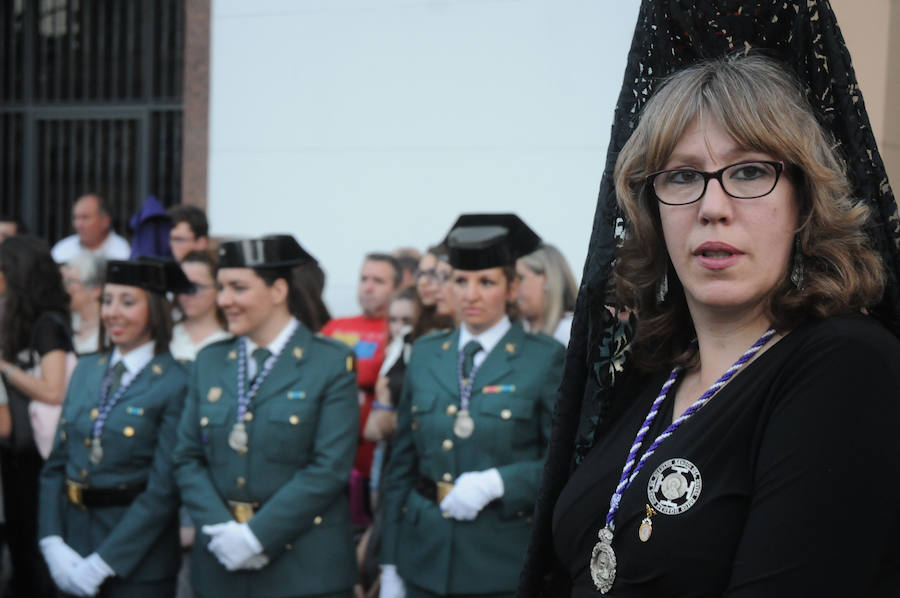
x,y
267,439
473,426
108,499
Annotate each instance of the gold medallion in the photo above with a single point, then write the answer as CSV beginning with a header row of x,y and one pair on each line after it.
x,y
646,527
645,530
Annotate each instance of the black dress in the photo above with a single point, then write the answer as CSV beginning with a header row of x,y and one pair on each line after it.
x,y
20,472
799,480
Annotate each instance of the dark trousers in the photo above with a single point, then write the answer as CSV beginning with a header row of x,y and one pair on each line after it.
x,y
30,577
119,588
416,592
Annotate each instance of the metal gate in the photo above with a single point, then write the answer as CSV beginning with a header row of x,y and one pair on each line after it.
x,y
90,100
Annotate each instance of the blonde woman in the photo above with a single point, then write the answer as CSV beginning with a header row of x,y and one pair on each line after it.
x,y
547,292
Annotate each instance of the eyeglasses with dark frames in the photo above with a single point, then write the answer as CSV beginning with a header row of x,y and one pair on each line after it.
x,y
743,180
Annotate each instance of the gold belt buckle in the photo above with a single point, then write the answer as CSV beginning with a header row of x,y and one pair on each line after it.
x,y
443,489
242,511
74,492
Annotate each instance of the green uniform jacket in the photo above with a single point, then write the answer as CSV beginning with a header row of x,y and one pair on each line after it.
x,y
139,541
303,429
512,402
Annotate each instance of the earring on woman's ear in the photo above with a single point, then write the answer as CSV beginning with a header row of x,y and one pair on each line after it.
x,y
797,268
663,289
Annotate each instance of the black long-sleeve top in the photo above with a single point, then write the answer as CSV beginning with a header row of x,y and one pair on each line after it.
x,y
798,462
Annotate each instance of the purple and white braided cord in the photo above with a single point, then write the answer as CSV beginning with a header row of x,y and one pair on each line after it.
x,y
630,471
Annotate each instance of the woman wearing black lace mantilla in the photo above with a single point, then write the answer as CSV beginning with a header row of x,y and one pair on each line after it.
x,y
736,464
742,443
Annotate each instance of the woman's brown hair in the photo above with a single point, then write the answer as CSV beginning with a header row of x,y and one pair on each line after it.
x,y
763,109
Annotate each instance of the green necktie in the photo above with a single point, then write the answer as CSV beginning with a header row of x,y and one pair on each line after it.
x,y
260,356
469,351
118,370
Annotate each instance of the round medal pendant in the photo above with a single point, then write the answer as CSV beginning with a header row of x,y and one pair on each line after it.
x,y
238,438
603,562
96,453
674,486
464,425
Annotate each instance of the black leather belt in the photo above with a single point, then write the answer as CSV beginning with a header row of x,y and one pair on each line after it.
x,y
433,491
87,496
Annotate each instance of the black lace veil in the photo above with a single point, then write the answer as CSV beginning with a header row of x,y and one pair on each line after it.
x,y
671,34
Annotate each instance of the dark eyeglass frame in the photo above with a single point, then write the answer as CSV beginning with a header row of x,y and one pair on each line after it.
x,y
778,165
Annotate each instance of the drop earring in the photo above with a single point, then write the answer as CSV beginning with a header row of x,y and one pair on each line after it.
x,y
663,289
797,268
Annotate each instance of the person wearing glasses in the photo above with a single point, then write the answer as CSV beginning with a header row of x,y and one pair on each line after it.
x,y
267,439
745,456
473,425
108,499
202,322
428,287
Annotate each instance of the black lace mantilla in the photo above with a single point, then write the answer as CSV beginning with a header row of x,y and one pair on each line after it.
x,y
669,35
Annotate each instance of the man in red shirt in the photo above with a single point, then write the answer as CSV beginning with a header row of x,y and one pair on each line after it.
x,y
368,335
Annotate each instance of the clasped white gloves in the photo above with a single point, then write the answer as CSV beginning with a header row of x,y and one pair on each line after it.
x,y
471,492
89,574
235,545
61,561
392,585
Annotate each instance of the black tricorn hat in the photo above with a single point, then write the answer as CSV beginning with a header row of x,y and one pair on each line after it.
x,y
479,241
271,251
150,273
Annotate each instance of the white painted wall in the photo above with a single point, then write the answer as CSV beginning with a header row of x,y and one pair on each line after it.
x,y
361,125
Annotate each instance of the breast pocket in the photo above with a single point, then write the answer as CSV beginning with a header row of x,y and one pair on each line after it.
x,y
214,428
289,431
139,429
507,422
423,422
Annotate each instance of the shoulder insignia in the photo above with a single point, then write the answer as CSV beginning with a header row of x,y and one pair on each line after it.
x,y
510,348
298,352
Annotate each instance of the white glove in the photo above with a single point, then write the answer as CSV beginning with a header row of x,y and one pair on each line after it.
x,y
89,574
391,584
471,492
61,561
235,545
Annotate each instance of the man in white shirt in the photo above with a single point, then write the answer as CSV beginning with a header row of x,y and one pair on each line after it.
x,y
91,222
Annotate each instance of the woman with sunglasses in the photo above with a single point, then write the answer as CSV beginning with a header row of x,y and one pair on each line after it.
x,y
202,323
